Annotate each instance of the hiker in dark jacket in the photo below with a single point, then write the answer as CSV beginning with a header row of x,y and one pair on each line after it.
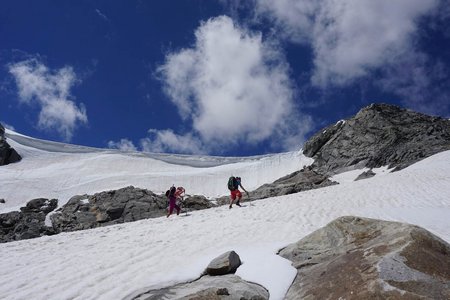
x,y
234,184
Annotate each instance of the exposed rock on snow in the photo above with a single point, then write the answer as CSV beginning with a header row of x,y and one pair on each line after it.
x,y
365,175
379,135
230,287
361,258
224,264
84,211
28,223
113,207
7,154
303,180
196,202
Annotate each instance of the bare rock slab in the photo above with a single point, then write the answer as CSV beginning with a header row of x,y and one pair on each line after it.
x,y
229,287
361,258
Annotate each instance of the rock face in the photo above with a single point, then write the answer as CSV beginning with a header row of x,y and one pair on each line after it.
x,y
28,223
360,258
113,207
7,154
379,135
221,285
224,264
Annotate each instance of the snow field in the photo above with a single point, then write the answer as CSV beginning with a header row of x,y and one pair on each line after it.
x,y
120,261
117,262
61,174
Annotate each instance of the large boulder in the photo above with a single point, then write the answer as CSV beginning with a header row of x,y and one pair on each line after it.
x,y
196,202
224,264
360,258
29,222
379,135
7,154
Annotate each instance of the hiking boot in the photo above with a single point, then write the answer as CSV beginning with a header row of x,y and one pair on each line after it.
x,y
230,206
238,204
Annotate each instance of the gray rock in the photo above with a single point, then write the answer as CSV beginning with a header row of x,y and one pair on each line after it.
x,y
196,202
365,175
28,223
113,207
303,180
360,258
379,135
2,201
224,264
7,154
230,287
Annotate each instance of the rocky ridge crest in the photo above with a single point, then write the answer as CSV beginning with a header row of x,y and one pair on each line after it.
x,y
378,135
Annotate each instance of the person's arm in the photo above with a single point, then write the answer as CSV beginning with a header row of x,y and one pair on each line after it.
x,y
240,184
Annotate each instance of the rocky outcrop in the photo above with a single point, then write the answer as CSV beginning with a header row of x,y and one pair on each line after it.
x,y
88,211
7,154
113,207
221,285
360,258
28,223
379,135
303,180
230,287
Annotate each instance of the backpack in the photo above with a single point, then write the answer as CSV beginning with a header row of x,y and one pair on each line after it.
x,y
232,183
171,192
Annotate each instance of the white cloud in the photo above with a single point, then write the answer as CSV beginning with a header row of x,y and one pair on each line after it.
x,y
350,38
294,18
233,87
354,39
51,91
168,141
101,15
123,145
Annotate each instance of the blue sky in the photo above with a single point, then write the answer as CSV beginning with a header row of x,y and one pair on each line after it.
x,y
231,78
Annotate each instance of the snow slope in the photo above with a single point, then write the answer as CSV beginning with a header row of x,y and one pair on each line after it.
x,y
120,261
57,170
